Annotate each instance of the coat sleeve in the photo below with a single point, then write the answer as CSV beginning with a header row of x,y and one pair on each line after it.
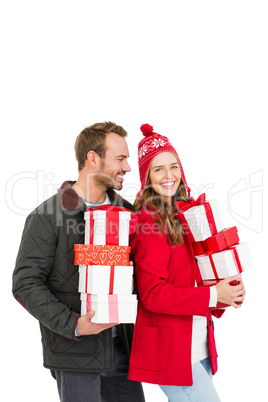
x,y
34,262
151,259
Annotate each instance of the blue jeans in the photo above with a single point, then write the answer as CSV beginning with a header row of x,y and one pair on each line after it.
x,y
202,389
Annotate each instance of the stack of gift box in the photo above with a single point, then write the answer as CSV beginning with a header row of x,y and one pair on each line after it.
x,y
105,274
217,249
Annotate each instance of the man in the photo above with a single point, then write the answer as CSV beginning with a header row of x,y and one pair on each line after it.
x,y
89,361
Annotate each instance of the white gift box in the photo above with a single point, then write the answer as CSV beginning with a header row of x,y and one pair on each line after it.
x,y
105,279
201,227
110,308
100,228
223,264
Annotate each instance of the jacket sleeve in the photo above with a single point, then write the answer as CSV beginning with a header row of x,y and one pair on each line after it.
x,y
34,262
151,254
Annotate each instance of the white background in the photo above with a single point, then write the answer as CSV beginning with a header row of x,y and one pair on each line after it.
x,y
197,72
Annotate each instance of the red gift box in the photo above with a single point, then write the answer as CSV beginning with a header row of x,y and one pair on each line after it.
x,y
198,248
85,254
220,241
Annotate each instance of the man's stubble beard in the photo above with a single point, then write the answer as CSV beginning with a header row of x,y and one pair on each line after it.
x,y
106,179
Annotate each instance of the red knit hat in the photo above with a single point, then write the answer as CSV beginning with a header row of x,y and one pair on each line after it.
x,y
148,148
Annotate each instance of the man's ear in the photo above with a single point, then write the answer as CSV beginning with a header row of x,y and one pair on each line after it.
x,y
93,159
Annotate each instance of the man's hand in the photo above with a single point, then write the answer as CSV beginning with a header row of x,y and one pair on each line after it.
x,y
85,327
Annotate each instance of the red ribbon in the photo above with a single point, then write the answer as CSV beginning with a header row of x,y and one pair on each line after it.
x,y
111,285
211,220
88,302
236,259
184,206
112,223
107,207
91,228
112,228
113,309
213,265
86,279
112,301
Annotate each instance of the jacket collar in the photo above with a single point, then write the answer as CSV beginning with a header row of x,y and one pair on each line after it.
x,y
70,200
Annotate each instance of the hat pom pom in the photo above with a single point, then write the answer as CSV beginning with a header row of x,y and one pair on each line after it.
x,y
146,129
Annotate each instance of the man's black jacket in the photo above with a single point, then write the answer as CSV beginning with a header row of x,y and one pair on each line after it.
x,y
45,282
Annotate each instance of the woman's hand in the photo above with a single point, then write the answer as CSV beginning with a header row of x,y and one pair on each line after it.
x,y
229,294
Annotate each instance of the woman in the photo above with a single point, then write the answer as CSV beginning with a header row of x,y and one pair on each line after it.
x,y
173,343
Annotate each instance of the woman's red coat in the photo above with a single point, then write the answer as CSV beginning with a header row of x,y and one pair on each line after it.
x,y
168,299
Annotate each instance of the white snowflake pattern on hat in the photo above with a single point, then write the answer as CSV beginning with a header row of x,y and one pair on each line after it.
x,y
156,143
143,150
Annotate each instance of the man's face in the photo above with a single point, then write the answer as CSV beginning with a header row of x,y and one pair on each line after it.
x,y
114,165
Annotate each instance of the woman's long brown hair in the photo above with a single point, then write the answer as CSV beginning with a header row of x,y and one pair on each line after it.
x,y
166,220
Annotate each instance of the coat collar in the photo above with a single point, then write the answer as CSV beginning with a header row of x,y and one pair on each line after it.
x,y
70,200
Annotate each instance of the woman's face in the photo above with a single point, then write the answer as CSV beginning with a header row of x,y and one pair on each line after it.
x,y
165,175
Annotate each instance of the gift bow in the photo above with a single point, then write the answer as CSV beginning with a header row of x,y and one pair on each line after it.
x,y
107,207
184,206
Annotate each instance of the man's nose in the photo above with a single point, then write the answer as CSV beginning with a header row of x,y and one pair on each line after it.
x,y
126,166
